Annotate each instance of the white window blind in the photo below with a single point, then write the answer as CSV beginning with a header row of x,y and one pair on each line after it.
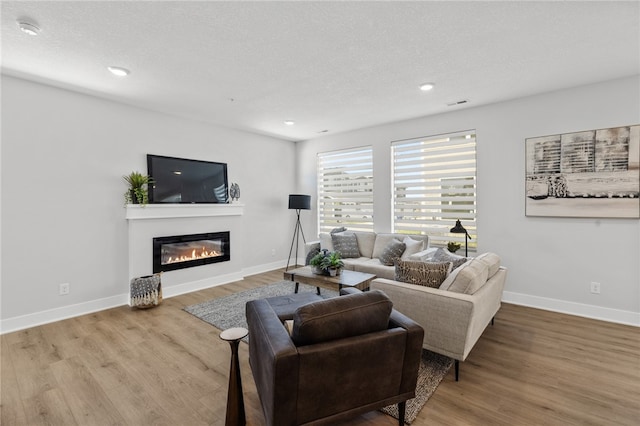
x,y
345,190
434,184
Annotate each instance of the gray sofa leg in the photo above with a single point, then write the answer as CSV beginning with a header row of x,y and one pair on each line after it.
x,y
457,368
492,320
401,409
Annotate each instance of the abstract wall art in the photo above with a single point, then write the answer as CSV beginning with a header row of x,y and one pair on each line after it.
x,y
594,173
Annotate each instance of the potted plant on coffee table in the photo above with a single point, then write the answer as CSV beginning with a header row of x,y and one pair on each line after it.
x,y
333,263
327,263
138,188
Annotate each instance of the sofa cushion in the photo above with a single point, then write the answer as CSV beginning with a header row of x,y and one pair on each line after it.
x,y
366,240
392,252
412,247
346,243
492,260
341,317
373,266
468,278
429,274
382,241
442,255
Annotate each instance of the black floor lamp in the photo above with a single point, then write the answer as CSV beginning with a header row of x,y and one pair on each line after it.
x,y
459,229
297,202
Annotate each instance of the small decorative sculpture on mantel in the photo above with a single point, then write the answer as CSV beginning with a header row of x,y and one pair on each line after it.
x,y
234,192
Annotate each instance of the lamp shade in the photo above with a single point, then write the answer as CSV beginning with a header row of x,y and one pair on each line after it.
x,y
299,202
458,229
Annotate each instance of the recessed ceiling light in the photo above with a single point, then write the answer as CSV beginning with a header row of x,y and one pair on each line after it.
x,y
28,28
177,172
289,122
119,71
427,86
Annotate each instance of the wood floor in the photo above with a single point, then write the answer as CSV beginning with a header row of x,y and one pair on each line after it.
x,y
163,366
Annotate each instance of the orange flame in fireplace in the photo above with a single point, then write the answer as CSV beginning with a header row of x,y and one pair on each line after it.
x,y
203,254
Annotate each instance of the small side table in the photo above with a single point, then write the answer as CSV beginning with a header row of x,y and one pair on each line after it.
x,y
235,401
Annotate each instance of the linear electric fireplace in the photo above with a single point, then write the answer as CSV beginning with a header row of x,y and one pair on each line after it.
x,y
186,251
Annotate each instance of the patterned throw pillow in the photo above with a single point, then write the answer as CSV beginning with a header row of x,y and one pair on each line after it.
x,y
442,256
429,274
312,253
391,252
346,244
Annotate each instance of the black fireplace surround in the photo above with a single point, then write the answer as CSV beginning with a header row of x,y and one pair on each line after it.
x,y
186,251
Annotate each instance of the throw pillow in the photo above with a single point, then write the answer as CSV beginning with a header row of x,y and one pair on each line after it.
x,y
336,230
429,274
467,279
444,256
413,247
325,241
392,252
346,244
492,260
311,255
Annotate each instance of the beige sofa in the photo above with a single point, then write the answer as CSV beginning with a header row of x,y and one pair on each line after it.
x,y
370,246
453,321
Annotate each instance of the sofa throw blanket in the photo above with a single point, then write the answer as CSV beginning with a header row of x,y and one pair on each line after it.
x,y
146,291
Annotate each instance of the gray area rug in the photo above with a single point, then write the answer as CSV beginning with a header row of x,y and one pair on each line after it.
x,y
229,311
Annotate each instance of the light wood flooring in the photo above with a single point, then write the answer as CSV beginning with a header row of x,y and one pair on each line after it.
x,y
163,366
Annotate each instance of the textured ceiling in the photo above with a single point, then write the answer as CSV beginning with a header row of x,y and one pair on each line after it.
x,y
333,66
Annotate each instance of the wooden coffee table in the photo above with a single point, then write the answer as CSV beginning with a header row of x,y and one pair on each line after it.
x,y
305,275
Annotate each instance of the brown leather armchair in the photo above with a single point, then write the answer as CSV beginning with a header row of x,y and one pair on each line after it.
x,y
345,356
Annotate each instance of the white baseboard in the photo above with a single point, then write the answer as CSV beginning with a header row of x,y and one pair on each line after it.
x,y
254,270
52,315
57,314
573,308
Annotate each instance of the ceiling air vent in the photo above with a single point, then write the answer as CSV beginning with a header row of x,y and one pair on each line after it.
x,y
462,102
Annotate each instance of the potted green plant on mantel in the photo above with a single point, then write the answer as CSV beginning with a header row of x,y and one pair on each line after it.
x,y
453,247
327,263
138,188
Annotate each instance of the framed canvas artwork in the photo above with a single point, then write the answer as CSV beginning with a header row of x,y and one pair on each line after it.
x,y
594,173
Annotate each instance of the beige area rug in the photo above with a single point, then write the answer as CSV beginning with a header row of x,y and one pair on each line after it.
x,y
229,311
433,368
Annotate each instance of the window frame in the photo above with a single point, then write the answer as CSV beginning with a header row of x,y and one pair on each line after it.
x,y
430,161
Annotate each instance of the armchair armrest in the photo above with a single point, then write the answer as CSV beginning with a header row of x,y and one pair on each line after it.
x,y
413,351
273,357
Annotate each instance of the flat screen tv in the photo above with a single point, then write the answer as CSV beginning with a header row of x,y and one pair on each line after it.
x,y
179,180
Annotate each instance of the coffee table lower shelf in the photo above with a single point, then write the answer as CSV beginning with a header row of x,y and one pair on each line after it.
x,y
305,275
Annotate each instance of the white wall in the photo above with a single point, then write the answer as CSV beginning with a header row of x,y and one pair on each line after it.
x,y
63,158
551,261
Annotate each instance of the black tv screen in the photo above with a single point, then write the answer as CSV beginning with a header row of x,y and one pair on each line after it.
x,y
179,180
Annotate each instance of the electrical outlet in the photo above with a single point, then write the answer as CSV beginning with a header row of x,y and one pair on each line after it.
x,y
64,289
273,252
595,288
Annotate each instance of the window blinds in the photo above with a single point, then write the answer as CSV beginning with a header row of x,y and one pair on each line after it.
x,y
345,189
434,184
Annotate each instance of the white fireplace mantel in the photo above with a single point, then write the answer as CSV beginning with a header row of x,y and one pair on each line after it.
x,y
160,220
168,211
